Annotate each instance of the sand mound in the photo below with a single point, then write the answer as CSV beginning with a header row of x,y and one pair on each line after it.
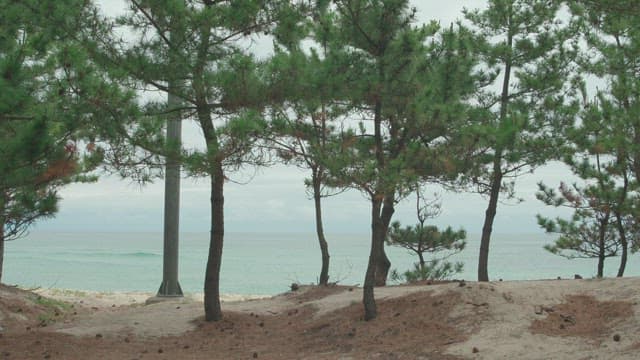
x,y
21,310
590,319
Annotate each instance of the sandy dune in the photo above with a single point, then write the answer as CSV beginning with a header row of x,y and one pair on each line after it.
x,y
552,319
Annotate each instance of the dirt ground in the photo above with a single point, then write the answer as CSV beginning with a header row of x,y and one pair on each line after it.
x,y
554,319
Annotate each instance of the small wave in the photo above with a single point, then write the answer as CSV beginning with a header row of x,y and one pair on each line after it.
x,y
140,254
137,254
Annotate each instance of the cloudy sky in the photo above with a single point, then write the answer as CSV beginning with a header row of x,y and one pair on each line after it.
x,y
274,199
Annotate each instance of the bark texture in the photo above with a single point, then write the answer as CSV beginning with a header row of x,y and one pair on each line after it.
x,y
384,264
368,299
487,228
497,175
602,236
625,247
212,308
624,243
322,241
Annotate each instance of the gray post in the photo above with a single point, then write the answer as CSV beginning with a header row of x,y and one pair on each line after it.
x,y
170,286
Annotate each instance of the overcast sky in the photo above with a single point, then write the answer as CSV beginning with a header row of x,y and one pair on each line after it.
x,y
275,199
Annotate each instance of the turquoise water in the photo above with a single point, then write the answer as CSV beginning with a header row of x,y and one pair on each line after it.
x,y
255,264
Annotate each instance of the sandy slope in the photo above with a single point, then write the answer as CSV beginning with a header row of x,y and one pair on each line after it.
x,y
554,319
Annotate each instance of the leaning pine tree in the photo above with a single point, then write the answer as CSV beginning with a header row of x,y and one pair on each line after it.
x,y
306,117
532,53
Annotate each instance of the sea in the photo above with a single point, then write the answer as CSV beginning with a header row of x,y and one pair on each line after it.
x,y
257,263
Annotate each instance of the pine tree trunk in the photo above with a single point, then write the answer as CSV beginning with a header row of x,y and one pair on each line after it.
x,y
384,264
324,247
623,259
212,309
601,245
623,243
487,228
620,225
496,181
600,263
368,299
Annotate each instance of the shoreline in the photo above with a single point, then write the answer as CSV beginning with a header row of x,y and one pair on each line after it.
x,y
105,299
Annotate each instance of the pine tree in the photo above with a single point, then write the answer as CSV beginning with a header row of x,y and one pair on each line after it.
x,y
604,142
591,230
532,54
222,90
305,119
406,85
48,92
422,238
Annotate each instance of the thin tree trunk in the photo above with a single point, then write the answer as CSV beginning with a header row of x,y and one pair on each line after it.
x,y
604,224
324,247
624,244
496,181
421,257
368,299
212,309
487,228
601,260
384,264
619,219
601,242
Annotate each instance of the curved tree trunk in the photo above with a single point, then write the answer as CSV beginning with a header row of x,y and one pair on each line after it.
x,y
496,181
212,309
324,246
623,257
620,225
487,228
421,259
384,264
623,243
368,299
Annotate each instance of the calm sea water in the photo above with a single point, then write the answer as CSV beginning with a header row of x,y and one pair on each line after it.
x,y
255,264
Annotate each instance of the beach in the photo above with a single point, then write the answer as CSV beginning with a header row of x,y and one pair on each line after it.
x,y
547,319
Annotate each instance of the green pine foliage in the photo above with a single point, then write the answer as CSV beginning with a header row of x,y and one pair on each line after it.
x,y
356,91
422,238
51,99
590,232
193,51
530,54
308,85
603,144
43,74
405,85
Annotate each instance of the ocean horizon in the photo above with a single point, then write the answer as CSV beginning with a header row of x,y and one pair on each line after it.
x,y
257,263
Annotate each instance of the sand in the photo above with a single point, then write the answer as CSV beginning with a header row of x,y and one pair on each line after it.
x,y
550,319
